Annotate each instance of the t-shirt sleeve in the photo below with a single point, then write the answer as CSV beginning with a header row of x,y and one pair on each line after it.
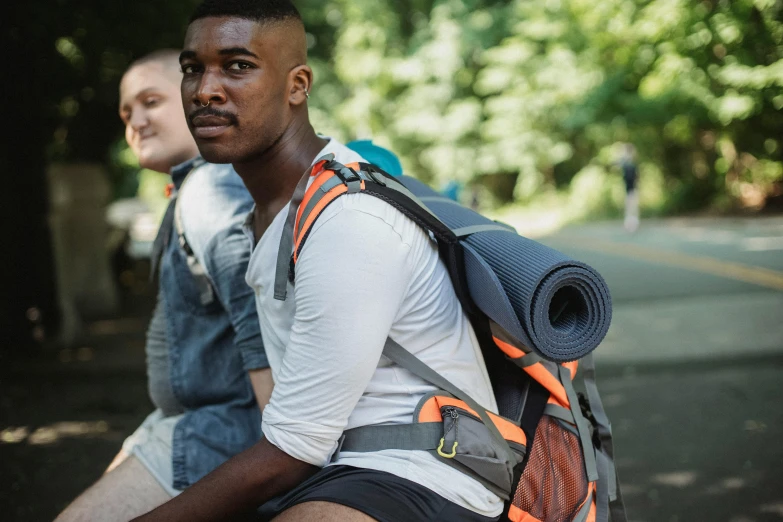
x,y
351,277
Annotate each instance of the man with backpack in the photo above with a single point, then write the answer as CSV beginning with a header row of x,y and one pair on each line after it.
x,y
203,343
384,354
367,273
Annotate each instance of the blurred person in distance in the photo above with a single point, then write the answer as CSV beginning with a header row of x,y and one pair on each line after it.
x,y
630,178
206,365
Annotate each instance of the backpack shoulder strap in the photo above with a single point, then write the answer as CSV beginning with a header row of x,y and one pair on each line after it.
x,y
324,183
610,497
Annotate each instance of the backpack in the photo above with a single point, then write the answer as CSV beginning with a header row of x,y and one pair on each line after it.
x,y
537,315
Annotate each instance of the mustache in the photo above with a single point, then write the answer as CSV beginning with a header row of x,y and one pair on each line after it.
x,y
211,111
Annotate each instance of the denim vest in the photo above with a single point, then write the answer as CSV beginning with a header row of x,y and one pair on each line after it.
x,y
211,345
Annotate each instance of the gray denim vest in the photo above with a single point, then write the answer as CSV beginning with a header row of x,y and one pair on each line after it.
x,y
210,347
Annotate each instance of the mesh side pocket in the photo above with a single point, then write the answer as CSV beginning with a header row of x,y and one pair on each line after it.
x,y
554,485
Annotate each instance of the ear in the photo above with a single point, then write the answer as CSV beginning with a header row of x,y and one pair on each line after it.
x,y
301,81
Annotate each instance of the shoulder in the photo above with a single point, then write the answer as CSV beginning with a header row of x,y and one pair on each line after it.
x,y
355,217
212,200
362,218
212,179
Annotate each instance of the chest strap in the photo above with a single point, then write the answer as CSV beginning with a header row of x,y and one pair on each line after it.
x,y
426,436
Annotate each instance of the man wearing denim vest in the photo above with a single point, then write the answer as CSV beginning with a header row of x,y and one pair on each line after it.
x,y
205,357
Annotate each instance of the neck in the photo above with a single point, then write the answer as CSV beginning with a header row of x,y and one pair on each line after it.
x,y
272,176
179,159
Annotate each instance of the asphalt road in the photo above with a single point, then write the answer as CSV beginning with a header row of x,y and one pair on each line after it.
x,y
690,373
687,289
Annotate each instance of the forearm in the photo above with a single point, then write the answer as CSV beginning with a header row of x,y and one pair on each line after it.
x,y
238,486
262,383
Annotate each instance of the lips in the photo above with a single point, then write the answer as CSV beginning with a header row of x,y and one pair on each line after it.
x,y
209,126
143,137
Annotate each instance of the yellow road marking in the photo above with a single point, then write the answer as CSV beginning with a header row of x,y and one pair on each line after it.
x,y
729,269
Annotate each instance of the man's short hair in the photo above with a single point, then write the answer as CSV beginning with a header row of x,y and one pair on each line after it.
x,y
166,56
261,11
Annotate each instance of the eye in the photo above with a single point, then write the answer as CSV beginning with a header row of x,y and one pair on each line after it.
x,y
189,69
238,66
151,102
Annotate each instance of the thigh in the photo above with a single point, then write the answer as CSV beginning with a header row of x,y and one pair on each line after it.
x,y
128,491
121,457
339,493
319,511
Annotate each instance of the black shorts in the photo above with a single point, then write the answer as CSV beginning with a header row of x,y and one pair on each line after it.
x,y
382,496
630,184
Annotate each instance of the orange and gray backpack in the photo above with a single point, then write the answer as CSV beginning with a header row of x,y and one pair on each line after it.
x,y
537,314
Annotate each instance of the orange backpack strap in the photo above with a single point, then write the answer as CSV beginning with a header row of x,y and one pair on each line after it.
x,y
564,405
286,239
327,180
327,186
557,379
430,411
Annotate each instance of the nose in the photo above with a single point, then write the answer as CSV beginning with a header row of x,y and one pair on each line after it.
x,y
138,120
209,90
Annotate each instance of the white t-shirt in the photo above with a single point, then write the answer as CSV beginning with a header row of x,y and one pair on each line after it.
x,y
365,272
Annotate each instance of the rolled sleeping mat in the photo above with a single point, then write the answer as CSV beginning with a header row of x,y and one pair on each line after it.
x,y
557,307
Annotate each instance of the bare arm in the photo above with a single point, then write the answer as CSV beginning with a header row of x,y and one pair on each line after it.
x,y
262,383
238,486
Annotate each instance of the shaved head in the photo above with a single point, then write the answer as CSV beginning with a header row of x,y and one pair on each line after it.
x,y
292,40
167,59
260,11
270,14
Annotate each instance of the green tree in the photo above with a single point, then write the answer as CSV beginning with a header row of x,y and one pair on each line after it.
x,y
538,91
528,98
66,59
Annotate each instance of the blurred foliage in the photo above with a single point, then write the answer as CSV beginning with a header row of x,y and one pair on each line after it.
x,y
69,57
524,98
544,91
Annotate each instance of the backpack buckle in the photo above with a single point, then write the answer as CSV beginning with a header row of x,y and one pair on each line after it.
x,y
447,455
375,176
348,176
